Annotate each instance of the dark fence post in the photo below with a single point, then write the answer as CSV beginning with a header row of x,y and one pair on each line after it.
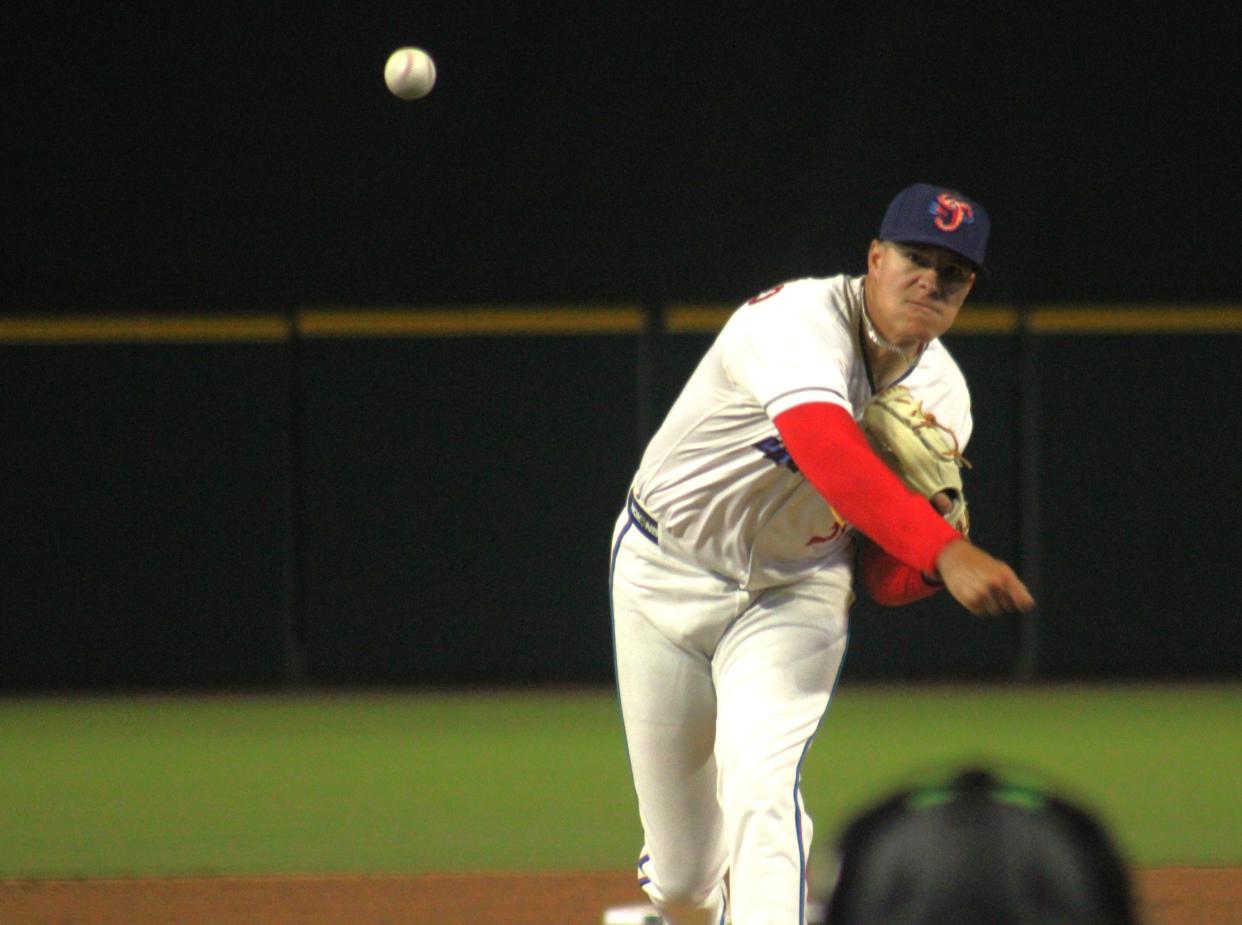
x,y
293,670
1027,664
650,373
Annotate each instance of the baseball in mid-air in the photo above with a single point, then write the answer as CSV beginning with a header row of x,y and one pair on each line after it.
x,y
410,73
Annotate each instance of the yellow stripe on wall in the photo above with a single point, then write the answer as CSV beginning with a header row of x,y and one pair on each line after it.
x,y
986,319
696,318
1136,319
707,319
141,329
469,321
1046,319
476,321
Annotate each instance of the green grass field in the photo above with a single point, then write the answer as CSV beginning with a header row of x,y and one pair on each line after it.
x,y
407,783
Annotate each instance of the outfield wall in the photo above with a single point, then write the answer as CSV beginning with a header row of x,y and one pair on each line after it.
x,y
424,496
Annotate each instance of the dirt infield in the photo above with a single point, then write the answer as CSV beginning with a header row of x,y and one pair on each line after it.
x,y
1170,896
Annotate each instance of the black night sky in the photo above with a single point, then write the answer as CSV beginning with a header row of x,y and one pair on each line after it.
x,y
169,157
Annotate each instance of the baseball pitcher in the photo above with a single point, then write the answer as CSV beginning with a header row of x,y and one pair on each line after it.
x,y
809,441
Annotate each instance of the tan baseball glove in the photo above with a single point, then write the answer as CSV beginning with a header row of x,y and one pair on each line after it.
x,y
918,448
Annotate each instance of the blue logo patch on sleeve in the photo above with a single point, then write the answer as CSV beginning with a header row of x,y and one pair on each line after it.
x,y
773,449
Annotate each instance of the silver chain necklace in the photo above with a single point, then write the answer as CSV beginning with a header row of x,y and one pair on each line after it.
x,y
874,336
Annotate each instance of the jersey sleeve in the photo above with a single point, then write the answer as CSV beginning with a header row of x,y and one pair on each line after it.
x,y
787,347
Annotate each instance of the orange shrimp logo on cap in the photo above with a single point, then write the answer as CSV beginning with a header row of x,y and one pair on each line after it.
x,y
951,213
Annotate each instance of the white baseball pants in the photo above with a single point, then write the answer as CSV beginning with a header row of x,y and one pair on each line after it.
x,y
721,693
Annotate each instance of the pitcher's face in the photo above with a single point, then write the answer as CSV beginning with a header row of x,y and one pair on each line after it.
x,y
915,291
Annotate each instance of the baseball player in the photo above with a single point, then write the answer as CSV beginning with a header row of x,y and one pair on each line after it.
x,y
733,560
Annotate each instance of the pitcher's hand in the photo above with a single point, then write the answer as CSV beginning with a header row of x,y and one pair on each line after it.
x,y
981,583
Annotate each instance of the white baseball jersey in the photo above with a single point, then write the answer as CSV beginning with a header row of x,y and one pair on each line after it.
x,y
716,477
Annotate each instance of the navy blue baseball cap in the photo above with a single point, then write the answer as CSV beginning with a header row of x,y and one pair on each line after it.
x,y
927,214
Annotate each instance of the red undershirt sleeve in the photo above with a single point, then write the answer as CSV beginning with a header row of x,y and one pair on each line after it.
x,y
890,581
831,450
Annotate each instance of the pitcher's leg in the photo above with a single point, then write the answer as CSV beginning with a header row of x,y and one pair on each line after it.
x,y
683,861
775,673
668,706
